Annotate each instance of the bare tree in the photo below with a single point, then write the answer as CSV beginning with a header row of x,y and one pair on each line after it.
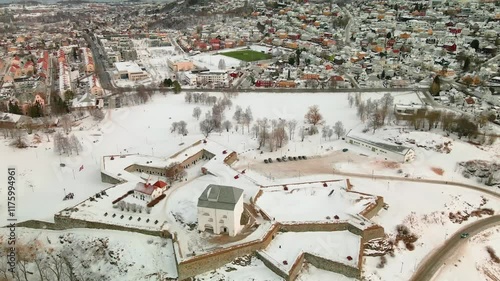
x,y
313,116
302,133
292,124
143,94
361,111
350,99
386,103
227,125
447,120
75,144
197,113
182,128
218,116
188,97
324,131
207,126
339,129
61,144
47,120
279,133
174,127
263,131
247,118
98,114
19,138
330,133
238,117
255,130
226,102
177,172
222,64
375,120
433,117
66,123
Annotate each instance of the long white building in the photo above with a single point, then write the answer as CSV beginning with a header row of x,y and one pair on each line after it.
x,y
396,152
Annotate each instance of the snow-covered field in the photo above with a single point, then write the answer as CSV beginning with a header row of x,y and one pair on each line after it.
x,y
472,261
424,209
111,255
247,268
335,246
42,182
318,203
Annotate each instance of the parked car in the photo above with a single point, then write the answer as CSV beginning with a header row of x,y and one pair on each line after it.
x,y
270,160
345,150
265,161
464,235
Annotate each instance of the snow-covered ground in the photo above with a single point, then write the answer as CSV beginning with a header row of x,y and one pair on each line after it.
x,y
335,246
247,268
318,203
145,129
424,209
115,255
472,261
312,273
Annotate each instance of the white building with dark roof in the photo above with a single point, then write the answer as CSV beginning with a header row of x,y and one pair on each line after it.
x,y
220,209
396,152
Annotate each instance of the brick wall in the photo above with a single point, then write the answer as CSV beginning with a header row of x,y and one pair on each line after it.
x,y
109,179
296,267
271,264
64,222
373,209
206,262
333,266
233,156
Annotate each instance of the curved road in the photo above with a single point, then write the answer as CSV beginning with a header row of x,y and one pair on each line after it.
x,y
431,181
432,263
437,258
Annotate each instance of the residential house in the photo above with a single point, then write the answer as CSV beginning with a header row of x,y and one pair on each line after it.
x,y
147,191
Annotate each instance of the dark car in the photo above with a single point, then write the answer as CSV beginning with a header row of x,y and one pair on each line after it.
x,y
345,150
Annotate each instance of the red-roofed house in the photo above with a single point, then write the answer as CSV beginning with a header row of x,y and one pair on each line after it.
x,y
148,192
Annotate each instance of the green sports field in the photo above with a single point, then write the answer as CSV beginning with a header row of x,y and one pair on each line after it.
x,y
247,55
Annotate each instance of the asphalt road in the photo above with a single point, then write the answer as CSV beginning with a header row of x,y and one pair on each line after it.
x,y
437,258
433,263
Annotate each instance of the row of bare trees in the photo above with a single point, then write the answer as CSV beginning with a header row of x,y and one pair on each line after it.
x,y
376,112
270,133
180,127
36,262
214,119
66,145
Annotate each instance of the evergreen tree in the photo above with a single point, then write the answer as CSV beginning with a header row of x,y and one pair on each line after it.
x,y
14,108
35,110
177,87
435,86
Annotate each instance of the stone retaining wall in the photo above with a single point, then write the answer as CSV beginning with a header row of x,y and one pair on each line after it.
x,y
64,222
271,265
206,262
333,266
296,267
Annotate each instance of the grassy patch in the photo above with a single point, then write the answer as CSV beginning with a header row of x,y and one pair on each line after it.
x,y
247,55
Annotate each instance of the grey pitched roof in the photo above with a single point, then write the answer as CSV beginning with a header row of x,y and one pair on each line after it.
x,y
219,197
399,149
